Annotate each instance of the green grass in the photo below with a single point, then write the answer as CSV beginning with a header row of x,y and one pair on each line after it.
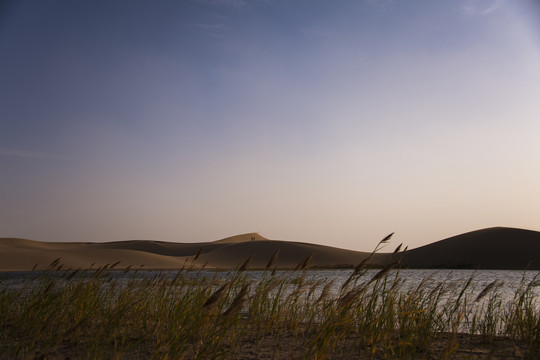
x,y
94,315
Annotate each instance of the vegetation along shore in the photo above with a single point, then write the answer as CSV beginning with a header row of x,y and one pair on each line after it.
x,y
183,314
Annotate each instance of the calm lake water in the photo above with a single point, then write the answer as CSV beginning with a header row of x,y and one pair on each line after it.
x,y
509,281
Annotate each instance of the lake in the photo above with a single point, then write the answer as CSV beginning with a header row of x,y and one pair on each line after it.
x,y
508,281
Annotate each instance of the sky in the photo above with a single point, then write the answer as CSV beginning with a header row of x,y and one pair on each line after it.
x,y
330,122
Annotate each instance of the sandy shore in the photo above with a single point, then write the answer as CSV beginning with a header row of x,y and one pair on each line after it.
x,y
445,346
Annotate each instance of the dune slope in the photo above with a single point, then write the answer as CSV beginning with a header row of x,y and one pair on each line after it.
x,y
492,248
23,255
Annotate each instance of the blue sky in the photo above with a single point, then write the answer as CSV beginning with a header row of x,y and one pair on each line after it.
x,y
333,122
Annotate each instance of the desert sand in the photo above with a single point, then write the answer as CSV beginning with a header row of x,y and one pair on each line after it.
x,y
24,255
493,248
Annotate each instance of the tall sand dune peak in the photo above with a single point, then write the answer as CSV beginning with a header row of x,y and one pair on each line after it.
x,y
242,238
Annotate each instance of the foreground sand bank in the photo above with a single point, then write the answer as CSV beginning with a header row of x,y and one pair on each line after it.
x,y
444,346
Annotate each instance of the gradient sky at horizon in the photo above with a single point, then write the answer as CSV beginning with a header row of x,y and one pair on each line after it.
x,y
332,122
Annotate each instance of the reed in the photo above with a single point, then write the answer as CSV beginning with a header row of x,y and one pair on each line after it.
x,y
104,313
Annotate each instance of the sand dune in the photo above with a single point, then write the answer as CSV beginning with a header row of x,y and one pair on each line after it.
x,y
23,255
241,238
494,248
290,254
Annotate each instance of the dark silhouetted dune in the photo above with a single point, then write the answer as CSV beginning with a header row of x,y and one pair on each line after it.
x,y
493,248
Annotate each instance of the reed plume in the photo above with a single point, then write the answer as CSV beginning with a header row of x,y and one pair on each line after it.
x,y
272,259
302,265
73,274
325,291
245,264
198,254
216,295
55,262
383,272
238,301
486,290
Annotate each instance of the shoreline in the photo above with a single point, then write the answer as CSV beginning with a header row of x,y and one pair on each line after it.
x,y
365,315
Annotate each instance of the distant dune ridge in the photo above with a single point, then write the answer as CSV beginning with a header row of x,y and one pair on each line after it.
x,y
493,248
22,254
